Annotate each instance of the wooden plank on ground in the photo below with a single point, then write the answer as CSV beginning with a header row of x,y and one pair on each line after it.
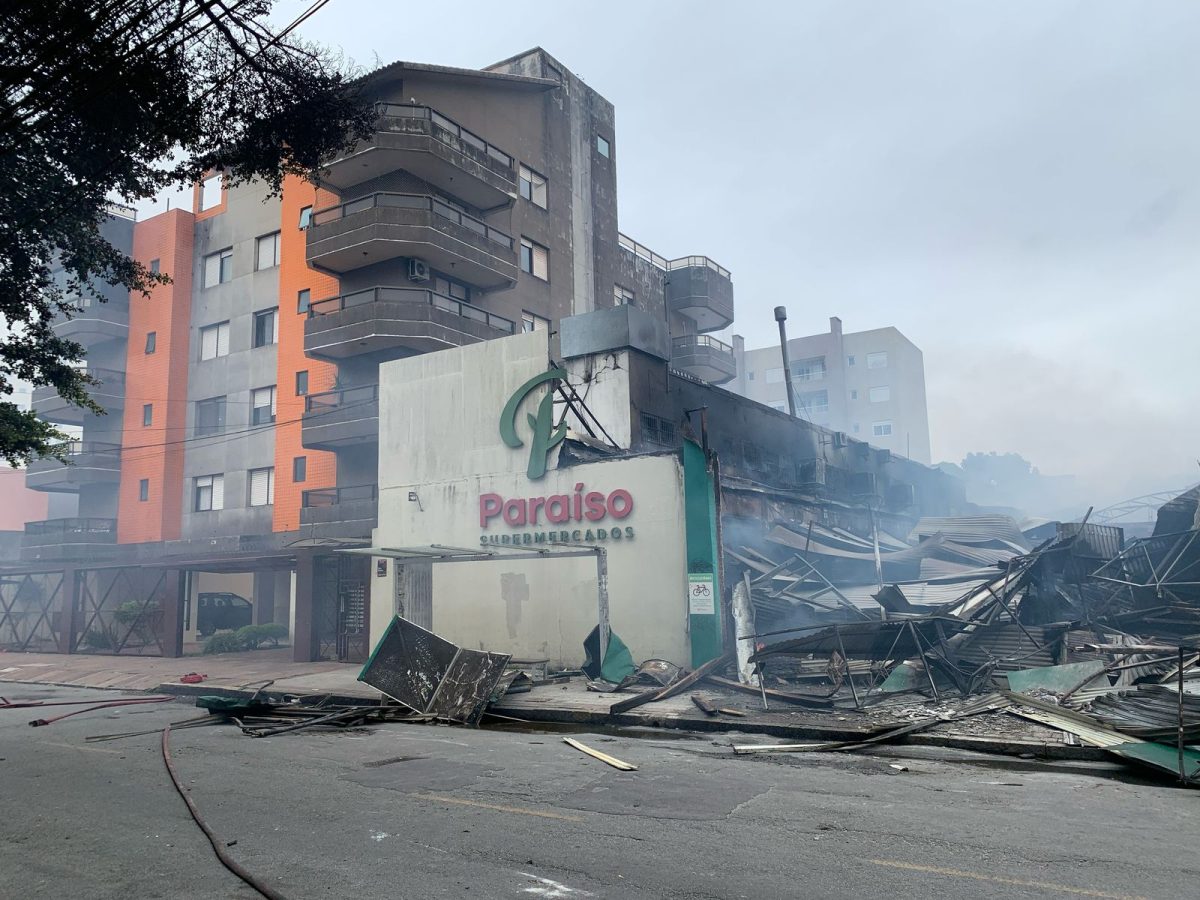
x,y
603,757
783,696
671,690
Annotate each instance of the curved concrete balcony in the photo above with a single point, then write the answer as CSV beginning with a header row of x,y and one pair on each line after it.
x,y
93,322
88,462
342,418
701,290
109,394
383,226
340,512
73,538
433,147
396,321
704,357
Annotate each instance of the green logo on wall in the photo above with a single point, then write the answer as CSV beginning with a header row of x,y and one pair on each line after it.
x,y
545,436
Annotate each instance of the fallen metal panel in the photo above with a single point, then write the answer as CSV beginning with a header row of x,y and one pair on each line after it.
x,y
1054,678
1160,756
432,675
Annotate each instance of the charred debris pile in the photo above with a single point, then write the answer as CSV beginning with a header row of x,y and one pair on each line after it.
x,y
1077,630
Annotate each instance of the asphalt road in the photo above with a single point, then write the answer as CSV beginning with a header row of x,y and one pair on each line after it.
x,y
410,811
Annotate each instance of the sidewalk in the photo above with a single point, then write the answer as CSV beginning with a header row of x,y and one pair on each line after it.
x,y
564,705
229,671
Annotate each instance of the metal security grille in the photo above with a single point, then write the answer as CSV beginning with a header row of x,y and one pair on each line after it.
x,y
120,611
29,617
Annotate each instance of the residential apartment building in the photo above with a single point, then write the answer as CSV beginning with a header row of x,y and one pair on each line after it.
x,y
868,384
242,397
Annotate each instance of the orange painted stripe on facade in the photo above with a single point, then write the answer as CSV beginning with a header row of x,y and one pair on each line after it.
x,y
295,276
155,453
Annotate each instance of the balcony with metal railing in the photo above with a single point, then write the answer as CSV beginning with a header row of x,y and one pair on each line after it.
x,y
91,321
109,394
385,225
695,286
395,322
340,511
340,418
433,147
704,357
71,538
87,462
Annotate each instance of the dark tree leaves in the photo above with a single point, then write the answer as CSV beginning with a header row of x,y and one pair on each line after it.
x,y
117,100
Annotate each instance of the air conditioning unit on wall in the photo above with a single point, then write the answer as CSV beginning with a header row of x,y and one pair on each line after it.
x,y
418,270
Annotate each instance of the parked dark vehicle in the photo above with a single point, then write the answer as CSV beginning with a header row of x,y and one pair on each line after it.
x,y
222,611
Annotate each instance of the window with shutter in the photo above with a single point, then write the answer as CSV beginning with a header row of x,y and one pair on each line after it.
x,y
262,406
214,341
267,256
262,487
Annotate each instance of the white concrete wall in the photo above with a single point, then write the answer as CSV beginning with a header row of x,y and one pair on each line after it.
x,y
439,437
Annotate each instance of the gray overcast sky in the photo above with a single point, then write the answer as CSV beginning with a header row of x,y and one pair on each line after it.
x,y
1012,184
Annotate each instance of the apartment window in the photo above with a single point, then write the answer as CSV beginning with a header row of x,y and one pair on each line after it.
x,y
623,296
812,369
880,394
262,487
262,406
850,360
451,288
531,322
214,340
303,301
208,493
299,469
877,360
535,259
147,414
815,403
881,429
856,428
144,490
266,327
266,252
218,267
854,395
210,192
210,416
533,187
154,266
302,382
151,341
749,376
305,217
603,147
774,376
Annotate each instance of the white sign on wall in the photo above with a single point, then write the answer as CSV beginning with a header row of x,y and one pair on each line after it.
x,y
701,596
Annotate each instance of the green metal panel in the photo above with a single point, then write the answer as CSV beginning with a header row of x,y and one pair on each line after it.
x,y
704,589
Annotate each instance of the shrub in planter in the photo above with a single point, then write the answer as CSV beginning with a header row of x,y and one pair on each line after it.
x,y
254,636
224,642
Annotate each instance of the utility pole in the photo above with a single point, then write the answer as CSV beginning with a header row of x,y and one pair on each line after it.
x,y
781,318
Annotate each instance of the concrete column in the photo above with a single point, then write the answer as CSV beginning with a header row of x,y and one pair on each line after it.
x,y
264,597
172,613
68,614
305,640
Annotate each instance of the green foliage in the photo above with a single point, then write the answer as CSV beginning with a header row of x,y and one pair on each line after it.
x,y
104,101
254,636
128,612
98,639
223,642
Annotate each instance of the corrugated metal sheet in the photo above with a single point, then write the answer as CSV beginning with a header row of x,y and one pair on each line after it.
x,y
973,530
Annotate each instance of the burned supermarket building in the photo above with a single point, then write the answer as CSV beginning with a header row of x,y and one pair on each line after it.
x,y
512,450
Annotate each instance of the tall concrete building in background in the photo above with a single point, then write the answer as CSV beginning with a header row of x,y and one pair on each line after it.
x,y
867,384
